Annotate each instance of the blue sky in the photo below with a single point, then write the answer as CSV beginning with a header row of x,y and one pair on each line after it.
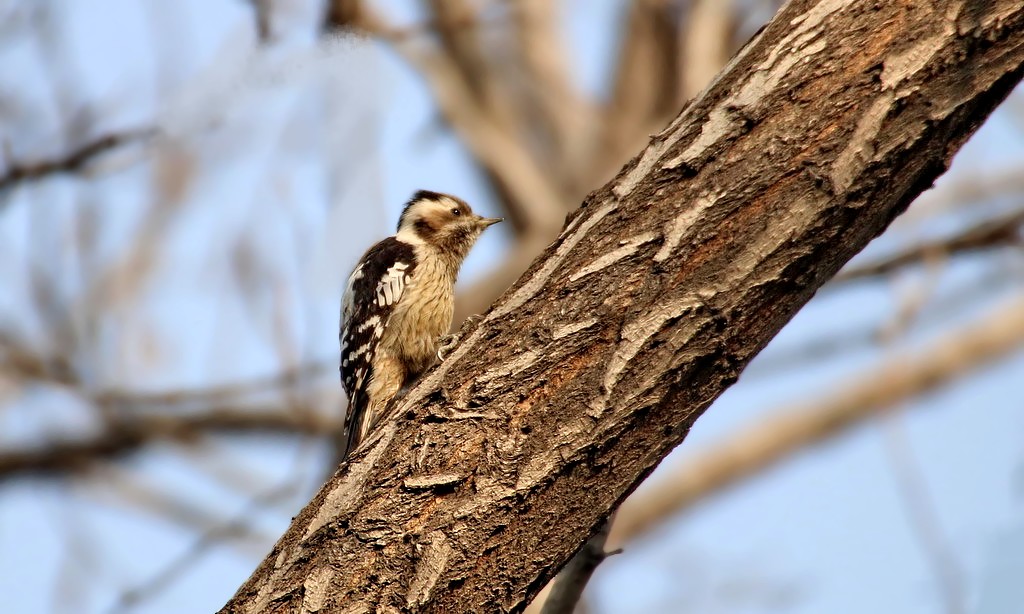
x,y
285,154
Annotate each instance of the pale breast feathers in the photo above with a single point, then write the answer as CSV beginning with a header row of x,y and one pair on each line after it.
x,y
376,285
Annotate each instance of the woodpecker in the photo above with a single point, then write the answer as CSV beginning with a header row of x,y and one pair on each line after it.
x,y
399,302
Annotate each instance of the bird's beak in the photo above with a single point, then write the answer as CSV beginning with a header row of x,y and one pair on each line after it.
x,y
484,222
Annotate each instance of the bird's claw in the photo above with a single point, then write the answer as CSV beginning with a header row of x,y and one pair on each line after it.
x,y
446,343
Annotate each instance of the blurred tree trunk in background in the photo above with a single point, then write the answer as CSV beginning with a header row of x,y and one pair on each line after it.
x,y
661,288
512,98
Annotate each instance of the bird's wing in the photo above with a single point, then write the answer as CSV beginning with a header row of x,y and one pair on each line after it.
x,y
374,289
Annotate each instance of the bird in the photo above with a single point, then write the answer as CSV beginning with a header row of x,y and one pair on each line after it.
x,y
398,304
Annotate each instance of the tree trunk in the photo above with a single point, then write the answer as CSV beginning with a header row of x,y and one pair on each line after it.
x,y
502,461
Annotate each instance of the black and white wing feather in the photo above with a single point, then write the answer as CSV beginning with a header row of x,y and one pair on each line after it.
x,y
374,288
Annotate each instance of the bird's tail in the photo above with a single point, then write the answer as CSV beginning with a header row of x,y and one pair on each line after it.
x,y
358,419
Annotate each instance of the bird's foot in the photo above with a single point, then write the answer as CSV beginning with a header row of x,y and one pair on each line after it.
x,y
445,344
448,342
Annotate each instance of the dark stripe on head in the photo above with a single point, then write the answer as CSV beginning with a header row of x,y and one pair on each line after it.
x,y
426,195
424,229
419,196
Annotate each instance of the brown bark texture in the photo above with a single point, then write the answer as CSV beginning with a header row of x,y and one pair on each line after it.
x,y
505,458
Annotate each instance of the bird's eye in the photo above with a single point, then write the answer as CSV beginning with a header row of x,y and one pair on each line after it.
x,y
456,211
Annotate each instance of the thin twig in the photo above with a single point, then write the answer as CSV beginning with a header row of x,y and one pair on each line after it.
x,y
209,540
924,521
986,235
72,161
132,490
23,363
216,395
568,587
128,434
829,346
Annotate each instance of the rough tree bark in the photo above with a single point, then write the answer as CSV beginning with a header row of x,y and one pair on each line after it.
x,y
502,461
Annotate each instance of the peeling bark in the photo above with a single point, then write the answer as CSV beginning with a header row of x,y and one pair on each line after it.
x,y
502,461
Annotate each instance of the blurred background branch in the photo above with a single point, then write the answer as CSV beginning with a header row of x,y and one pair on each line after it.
x,y
73,161
783,433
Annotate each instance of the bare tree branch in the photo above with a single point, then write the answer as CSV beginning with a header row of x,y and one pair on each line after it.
x,y
667,281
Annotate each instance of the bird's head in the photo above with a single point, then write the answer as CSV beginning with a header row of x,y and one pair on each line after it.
x,y
442,221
